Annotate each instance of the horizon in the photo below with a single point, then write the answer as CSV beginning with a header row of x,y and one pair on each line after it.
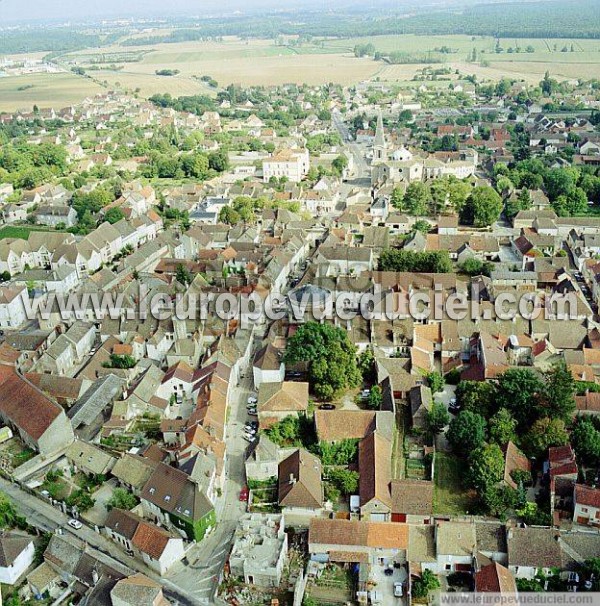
x,y
11,11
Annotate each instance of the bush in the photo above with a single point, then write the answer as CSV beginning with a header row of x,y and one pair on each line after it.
x,y
453,377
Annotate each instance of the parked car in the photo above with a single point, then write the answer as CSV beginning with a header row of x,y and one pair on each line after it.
x,y
327,407
244,494
398,590
250,439
252,400
76,524
454,407
365,393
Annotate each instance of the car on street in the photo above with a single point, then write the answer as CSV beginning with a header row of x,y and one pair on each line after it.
x,y
248,438
76,524
398,590
252,400
244,494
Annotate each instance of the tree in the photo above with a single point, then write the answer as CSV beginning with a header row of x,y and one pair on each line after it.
x,y
435,261
366,365
586,442
375,397
218,161
416,198
113,215
5,276
482,208
339,165
591,568
122,499
435,381
81,500
330,355
437,418
183,275
476,267
502,427
344,479
545,432
477,396
397,198
486,467
229,215
524,199
117,361
428,582
559,392
466,432
422,226
8,513
559,182
518,391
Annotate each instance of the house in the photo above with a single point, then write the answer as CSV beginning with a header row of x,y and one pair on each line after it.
x,y
455,546
156,547
514,461
375,467
259,550
137,590
412,501
13,306
56,215
89,459
586,502
133,471
268,366
263,462
337,425
562,472
495,578
172,497
17,553
532,549
300,490
279,400
334,540
40,423
421,401
292,164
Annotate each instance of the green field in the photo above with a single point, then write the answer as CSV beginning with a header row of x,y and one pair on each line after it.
x,y
451,495
264,62
20,231
44,90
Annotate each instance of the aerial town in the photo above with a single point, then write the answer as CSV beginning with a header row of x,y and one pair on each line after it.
x,y
309,453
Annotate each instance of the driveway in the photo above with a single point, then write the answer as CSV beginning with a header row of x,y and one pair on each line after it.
x,y
448,393
98,513
385,584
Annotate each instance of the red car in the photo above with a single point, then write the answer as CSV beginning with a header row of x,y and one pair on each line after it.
x,y
244,494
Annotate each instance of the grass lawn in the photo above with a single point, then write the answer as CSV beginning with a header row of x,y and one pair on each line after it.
x,y
20,231
451,495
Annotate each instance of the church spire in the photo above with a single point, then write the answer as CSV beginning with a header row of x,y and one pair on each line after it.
x,y
379,135
379,147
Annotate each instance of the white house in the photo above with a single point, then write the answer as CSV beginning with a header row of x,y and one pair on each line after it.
x,y
268,366
13,306
16,556
293,164
587,505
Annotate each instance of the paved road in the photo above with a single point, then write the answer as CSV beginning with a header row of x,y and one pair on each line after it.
x,y
48,518
206,560
361,168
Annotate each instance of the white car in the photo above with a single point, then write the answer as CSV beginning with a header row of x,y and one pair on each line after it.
x,y
398,590
252,400
76,524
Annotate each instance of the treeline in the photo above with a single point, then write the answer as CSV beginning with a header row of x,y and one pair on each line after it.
x,y
51,40
575,19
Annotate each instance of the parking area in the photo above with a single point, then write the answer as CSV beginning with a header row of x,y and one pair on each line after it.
x,y
385,576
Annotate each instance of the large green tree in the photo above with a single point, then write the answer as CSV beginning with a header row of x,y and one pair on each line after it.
x,y
466,432
482,208
559,393
518,391
545,432
503,427
330,356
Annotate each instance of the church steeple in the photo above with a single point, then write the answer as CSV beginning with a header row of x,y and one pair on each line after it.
x,y
379,146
